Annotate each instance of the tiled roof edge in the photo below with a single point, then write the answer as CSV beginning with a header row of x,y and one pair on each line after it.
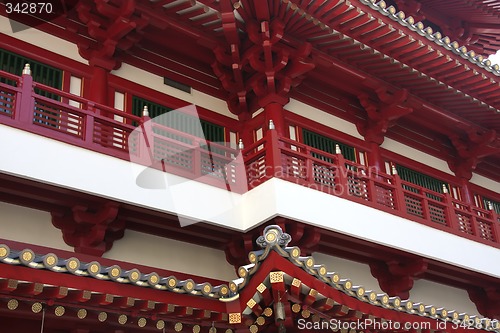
x,y
114,273
274,239
436,37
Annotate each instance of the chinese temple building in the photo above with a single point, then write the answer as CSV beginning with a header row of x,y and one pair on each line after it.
x,y
249,166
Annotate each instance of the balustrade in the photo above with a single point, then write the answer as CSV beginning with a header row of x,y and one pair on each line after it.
x,y
24,104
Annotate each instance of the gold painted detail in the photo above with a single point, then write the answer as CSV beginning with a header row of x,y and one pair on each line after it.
x,y
233,287
444,313
73,264
360,292
254,329
229,330
178,327
276,277
251,303
12,304
252,257
81,314
142,322
27,255
4,251
385,299
335,278
59,311
310,262
36,307
260,321
196,329
94,268
409,305
306,313
154,278
373,296
242,272
134,276
322,270
224,290
50,260
295,252
296,282
348,285
207,288
235,318
268,312
122,319
261,288
172,282
296,308
115,272
102,316
313,293
160,324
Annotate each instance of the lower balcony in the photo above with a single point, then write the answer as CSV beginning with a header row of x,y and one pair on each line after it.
x,y
54,114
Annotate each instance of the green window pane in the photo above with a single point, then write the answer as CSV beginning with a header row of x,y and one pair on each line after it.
x,y
419,179
181,122
326,144
495,204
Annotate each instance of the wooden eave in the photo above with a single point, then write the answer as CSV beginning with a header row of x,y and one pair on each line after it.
x,y
364,41
277,273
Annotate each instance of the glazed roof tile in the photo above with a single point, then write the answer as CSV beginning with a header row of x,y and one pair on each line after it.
x,y
272,240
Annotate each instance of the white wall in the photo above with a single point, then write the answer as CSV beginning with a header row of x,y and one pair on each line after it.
x,y
35,227
29,226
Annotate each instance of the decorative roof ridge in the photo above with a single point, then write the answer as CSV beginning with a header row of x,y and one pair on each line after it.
x,y
436,37
274,239
113,273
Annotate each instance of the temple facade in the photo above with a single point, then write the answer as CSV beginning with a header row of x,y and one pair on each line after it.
x,y
249,166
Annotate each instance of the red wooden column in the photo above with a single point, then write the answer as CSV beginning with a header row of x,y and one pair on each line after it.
x,y
275,112
98,85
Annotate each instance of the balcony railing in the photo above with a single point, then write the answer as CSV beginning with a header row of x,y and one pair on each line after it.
x,y
24,104
273,156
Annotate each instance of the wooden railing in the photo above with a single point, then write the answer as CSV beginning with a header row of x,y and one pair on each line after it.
x,y
26,105
78,121
331,173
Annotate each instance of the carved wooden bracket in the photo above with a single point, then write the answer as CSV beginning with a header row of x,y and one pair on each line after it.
x,y
487,301
382,114
119,31
90,232
411,8
396,278
258,69
470,150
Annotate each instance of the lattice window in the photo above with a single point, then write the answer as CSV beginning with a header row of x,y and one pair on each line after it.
x,y
414,206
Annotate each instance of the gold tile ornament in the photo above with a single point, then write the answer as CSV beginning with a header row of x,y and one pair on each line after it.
x,y
261,288
122,319
12,304
254,329
178,327
260,321
252,257
196,329
172,282
268,312
102,316
36,307
296,308
160,324
81,314
142,322
296,282
4,251
276,277
59,311
235,318
251,303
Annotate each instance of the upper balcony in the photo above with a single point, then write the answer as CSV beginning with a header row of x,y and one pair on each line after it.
x,y
40,109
